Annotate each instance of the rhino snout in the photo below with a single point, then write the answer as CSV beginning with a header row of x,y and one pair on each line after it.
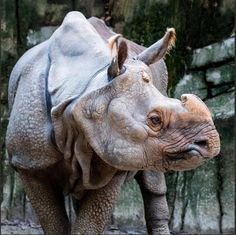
x,y
194,104
205,147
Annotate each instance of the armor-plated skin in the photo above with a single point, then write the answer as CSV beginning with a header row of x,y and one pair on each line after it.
x,y
84,119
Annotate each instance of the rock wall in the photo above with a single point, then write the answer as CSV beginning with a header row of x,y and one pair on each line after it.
x,y
201,200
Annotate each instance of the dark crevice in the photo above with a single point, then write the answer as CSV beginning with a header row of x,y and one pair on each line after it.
x,y
185,203
18,30
73,5
228,90
219,191
174,198
11,196
209,86
185,196
107,12
212,65
222,84
70,207
209,93
24,205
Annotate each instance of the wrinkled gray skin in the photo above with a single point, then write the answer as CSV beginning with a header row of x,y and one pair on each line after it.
x,y
96,133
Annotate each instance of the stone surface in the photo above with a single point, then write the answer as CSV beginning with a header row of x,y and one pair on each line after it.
x,y
195,195
222,106
55,13
227,173
90,8
203,203
29,228
175,204
3,93
222,89
222,74
129,208
193,83
213,53
36,37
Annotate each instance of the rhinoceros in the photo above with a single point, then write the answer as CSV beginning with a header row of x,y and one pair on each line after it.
x,y
89,111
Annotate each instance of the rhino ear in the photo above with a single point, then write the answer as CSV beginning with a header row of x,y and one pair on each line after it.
x,y
118,60
158,50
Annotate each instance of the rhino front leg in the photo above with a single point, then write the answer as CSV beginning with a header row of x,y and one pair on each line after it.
x,y
153,188
96,208
48,203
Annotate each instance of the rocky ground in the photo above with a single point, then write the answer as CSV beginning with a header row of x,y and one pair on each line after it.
x,y
30,228
17,227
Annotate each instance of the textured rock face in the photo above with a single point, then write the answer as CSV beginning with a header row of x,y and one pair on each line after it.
x,y
36,37
227,175
214,53
202,200
129,209
192,200
221,75
193,83
222,106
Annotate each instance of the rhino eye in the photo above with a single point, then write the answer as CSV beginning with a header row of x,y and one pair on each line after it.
x,y
155,120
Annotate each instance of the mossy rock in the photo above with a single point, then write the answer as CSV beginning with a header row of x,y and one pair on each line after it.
x,y
222,74
193,83
222,106
129,209
36,37
195,205
227,173
213,53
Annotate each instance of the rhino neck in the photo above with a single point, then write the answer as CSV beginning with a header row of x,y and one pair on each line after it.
x,y
97,80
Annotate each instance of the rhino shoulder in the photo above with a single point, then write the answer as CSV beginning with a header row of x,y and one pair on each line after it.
x,y
28,137
24,65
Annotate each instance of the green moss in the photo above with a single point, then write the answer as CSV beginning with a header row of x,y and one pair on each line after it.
x,y
197,24
222,106
220,75
149,25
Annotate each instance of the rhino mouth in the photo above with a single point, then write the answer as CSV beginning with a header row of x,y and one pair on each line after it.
x,y
192,150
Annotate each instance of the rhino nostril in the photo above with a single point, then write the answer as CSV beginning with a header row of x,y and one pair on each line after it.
x,y
201,143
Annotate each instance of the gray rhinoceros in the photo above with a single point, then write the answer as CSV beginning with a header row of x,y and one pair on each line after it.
x,y
88,111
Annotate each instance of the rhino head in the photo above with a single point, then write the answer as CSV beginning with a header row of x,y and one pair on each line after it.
x,y
130,125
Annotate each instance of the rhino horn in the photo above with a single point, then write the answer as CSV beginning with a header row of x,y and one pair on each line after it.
x,y
113,43
195,105
118,60
158,50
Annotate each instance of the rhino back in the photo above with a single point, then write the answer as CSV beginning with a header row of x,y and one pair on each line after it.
x,y
29,129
